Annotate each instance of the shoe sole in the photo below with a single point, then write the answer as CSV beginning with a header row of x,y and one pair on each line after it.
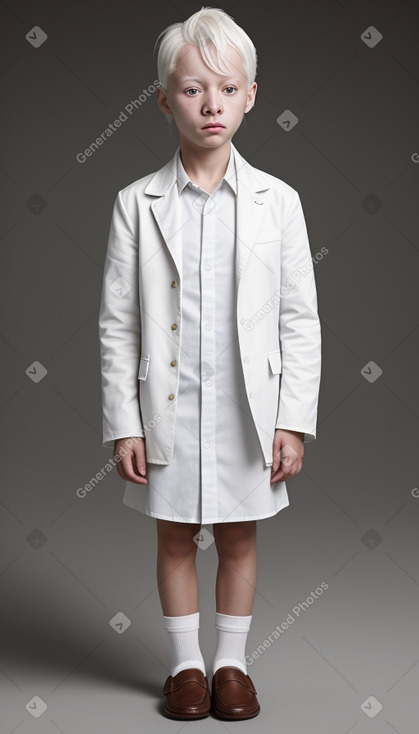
x,y
233,717
185,716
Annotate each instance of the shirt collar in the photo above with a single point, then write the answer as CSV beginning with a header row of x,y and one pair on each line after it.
x,y
230,176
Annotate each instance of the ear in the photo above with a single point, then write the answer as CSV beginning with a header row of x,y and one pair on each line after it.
x,y
251,95
162,100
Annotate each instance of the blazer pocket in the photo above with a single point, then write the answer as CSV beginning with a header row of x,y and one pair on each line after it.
x,y
268,235
275,360
143,369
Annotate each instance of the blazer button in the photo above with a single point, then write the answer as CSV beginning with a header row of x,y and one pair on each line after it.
x,y
174,284
173,363
171,396
174,326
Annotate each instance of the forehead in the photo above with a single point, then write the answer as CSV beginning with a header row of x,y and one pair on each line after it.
x,y
189,63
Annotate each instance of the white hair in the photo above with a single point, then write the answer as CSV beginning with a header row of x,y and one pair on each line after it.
x,y
208,24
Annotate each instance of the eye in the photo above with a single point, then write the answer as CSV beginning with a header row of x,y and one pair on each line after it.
x,y
194,89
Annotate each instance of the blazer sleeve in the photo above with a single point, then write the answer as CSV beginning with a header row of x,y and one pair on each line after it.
x,y
299,329
120,330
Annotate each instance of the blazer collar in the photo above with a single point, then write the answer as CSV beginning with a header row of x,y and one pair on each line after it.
x,y
250,178
183,179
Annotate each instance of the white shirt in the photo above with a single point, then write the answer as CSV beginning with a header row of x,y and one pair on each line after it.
x,y
218,473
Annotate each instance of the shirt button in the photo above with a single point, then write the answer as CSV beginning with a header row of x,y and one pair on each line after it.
x,y
207,444
250,395
207,267
174,284
171,396
173,363
208,327
174,326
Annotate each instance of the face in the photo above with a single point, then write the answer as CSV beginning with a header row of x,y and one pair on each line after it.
x,y
197,96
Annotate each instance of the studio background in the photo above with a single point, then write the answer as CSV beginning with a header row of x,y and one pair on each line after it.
x,y
76,564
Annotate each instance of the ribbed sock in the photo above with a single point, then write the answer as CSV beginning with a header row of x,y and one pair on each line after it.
x,y
232,634
183,634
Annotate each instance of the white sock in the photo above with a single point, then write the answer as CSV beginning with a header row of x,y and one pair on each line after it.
x,y
183,634
232,634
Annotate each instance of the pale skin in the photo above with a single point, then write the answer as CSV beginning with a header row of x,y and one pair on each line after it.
x,y
195,96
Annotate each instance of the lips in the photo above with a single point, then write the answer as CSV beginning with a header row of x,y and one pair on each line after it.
x,y
213,124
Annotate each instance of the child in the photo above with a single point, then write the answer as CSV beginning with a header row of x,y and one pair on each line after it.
x,y
210,348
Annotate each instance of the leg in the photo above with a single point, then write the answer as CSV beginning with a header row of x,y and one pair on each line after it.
x,y
177,578
235,591
177,581
237,567
233,693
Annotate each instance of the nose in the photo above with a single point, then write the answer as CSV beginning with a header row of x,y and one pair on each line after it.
x,y
212,104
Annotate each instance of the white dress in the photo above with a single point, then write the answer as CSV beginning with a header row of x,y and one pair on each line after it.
x,y
218,471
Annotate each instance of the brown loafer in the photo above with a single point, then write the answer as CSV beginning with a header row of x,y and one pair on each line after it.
x,y
233,695
187,695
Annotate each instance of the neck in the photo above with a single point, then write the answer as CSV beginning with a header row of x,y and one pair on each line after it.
x,y
209,164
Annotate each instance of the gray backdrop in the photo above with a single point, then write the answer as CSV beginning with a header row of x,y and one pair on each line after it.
x,y
77,569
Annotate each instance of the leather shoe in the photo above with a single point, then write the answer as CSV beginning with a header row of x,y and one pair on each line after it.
x,y
233,695
187,695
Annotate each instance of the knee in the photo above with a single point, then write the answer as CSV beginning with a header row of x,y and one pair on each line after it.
x,y
234,543
177,542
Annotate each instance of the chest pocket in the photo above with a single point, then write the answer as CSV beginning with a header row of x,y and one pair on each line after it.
x,y
143,369
275,361
268,235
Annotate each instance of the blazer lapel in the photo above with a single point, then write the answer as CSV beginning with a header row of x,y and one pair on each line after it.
x,y
252,203
252,197
166,209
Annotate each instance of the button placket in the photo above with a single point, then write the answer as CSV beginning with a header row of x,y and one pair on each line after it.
x,y
209,506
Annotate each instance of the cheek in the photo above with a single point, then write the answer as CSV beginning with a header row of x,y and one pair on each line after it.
x,y
240,102
183,108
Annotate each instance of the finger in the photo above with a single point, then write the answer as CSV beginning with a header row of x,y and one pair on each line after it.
x,y
296,467
284,472
130,470
276,454
278,476
139,460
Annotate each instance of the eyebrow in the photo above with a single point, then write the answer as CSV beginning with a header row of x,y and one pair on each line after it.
x,y
193,79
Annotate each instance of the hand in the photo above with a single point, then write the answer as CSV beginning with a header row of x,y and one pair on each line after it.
x,y
287,454
131,462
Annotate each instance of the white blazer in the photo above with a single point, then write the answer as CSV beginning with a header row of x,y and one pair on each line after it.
x,y
140,321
